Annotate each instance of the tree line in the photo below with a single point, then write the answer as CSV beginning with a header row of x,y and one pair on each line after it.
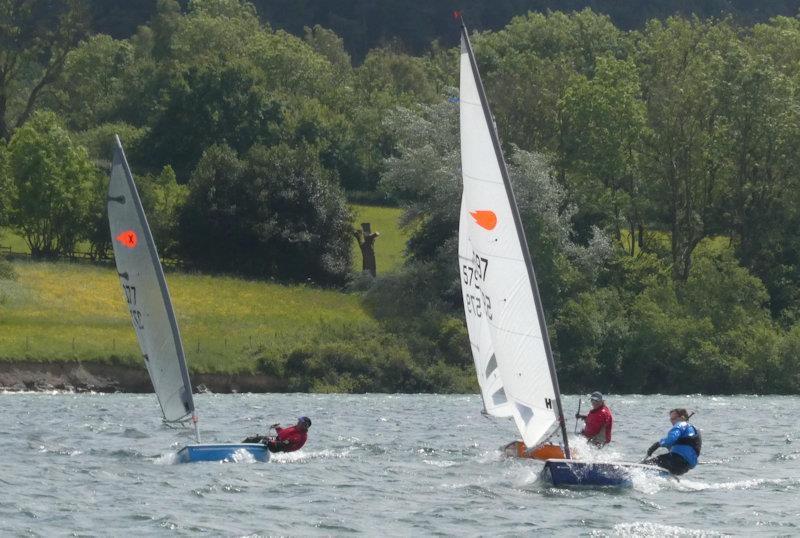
x,y
656,174
413,25
655,170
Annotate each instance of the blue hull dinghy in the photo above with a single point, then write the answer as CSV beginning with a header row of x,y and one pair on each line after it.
x,y
224,453
583,473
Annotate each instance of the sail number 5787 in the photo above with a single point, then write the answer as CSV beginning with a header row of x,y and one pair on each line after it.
x,y
476,301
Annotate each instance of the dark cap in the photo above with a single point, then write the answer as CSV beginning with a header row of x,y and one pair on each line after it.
x,y
596,396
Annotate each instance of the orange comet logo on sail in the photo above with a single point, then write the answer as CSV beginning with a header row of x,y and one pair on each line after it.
x,y
485,219
128,238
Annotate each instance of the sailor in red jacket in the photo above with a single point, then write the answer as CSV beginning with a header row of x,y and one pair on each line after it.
x,y
287,439
598,422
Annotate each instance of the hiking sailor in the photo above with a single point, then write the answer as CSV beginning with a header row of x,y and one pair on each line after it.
x,y
287,439
683,441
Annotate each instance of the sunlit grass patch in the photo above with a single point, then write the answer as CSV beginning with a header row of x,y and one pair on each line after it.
x,y
63,311
8,238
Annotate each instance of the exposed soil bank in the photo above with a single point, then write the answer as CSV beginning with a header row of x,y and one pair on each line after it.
x,y
99,377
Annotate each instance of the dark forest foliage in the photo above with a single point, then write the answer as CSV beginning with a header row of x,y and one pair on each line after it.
x,y
415,24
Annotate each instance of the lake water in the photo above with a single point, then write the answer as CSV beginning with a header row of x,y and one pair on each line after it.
x,y
389,465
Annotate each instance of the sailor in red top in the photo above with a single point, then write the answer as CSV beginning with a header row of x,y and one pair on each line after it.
x,y
287,439
598,422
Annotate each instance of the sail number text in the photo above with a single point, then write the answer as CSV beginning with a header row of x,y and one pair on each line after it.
x,y
136,314
476,301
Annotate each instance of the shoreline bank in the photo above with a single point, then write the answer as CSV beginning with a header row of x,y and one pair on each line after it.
x,y
89,376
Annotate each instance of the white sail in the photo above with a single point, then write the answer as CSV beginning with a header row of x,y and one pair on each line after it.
x,y
495,402
492,247
146,294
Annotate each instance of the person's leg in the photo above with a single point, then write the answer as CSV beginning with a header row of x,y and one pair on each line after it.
x,y
672,463
254,439
679,465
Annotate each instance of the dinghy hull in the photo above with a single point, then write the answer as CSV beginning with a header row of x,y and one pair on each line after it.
x,y
223,453
560,472
546,451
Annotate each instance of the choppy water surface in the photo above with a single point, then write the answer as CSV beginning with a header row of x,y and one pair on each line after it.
x,y
397,465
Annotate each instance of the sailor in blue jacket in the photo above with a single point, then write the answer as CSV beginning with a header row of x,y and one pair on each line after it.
x,y
683,441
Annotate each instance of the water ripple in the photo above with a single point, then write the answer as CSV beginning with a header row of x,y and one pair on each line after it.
x,y
430,465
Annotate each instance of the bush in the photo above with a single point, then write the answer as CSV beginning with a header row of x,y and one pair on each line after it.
x,y
276,212
361,359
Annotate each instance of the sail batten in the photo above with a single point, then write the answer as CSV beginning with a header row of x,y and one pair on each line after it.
x,y
146,294
491,235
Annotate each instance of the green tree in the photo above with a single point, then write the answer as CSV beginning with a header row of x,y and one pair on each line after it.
x,y
603,125
212,33
35,39
785,365
404,79
275,212
91,86
163,198
680,65
6,184
590,334
527,65
97,232
762,125
712,333
53,181
205,107
329,45
164,25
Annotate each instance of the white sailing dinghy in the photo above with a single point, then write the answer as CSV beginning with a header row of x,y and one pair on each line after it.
x,y
146,294
505,319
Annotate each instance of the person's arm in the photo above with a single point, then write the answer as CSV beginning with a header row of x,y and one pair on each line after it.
x,y
672,437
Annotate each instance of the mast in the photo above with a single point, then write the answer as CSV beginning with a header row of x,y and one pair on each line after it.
x,y
520,231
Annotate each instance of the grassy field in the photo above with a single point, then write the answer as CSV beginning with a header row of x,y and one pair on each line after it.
x,y
10,239
64,311
390,246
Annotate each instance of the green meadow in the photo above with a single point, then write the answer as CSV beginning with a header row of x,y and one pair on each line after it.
x,y
67,311
13,241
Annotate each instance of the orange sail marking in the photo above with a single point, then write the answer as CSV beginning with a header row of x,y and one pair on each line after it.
x,y
128,238
485,219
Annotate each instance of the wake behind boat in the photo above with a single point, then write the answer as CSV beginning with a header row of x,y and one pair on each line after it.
x,y
146,294
505,318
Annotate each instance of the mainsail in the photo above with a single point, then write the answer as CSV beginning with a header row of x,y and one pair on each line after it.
x,y
497,276
146,294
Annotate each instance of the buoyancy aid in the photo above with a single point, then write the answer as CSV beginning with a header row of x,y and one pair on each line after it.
x,y
695,441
